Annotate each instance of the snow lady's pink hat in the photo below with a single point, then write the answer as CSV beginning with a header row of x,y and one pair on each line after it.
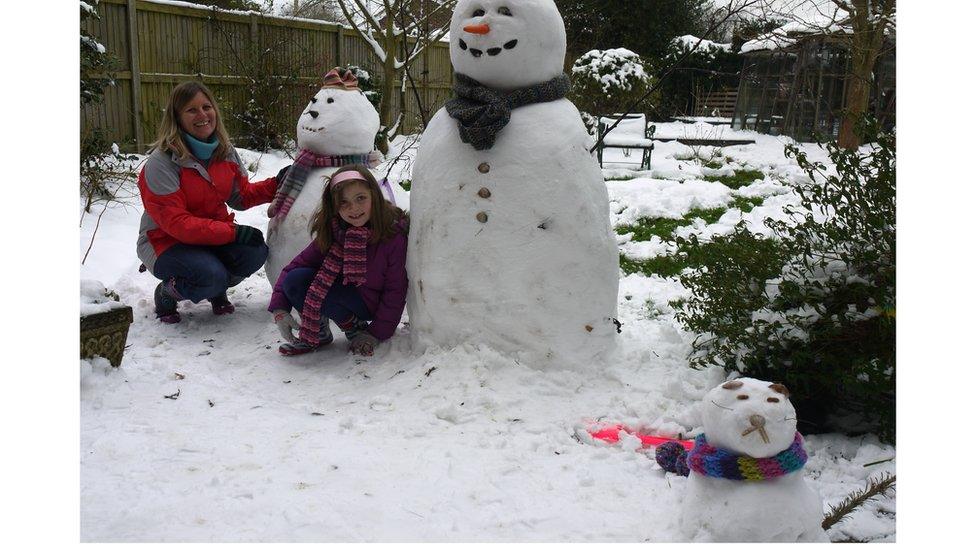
x,y
342,79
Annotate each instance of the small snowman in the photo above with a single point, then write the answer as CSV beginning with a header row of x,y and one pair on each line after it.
x,y
510,240
338,127
746,470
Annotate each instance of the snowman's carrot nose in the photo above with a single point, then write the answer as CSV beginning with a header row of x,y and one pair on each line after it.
x,y
477,29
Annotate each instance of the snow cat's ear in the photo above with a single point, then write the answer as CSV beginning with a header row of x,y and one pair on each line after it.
x,y
781,389
734,384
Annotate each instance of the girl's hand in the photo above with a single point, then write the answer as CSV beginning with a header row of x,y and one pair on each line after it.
x,y
363,344
286,323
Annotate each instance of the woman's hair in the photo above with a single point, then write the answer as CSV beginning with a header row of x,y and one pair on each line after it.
x,y
383,217
168,136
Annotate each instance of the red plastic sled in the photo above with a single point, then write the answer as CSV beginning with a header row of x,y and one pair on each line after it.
x,y
611,435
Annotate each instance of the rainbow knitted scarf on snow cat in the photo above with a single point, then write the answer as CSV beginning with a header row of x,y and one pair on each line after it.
x,y
709,461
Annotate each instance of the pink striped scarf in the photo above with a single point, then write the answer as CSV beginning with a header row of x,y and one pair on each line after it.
x,y
347,256
304,163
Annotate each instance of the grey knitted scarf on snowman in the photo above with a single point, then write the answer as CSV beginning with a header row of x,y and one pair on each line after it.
x,y
482,112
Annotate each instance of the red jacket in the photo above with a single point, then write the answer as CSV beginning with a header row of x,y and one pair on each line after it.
x,y
186,202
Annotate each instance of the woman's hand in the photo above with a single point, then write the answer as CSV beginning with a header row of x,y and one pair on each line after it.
x,y
286,323
282,173
245,234
363,344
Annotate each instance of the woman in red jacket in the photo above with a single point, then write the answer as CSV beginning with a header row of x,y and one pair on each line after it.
x,y
187,238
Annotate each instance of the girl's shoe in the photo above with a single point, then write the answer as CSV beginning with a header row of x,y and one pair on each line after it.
x,y
297,348
221,305
166,303
354,327
300,347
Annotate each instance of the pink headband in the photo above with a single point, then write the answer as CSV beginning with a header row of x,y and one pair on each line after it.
x,y
351,175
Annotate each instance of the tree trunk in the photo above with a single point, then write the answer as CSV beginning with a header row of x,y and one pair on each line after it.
x,y
859,82
865,48
389,82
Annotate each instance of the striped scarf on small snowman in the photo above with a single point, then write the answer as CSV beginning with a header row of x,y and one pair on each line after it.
x,y
297,175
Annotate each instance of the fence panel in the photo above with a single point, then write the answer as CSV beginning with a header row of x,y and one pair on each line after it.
x,y
225,50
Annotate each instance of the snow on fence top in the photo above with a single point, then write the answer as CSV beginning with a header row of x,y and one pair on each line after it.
x,y
248,12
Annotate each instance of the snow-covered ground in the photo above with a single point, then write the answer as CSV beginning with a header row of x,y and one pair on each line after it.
x,y
205,433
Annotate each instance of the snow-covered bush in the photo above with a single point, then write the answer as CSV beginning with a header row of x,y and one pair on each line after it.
x,y
372,89
95,60
608,81
101,163
711,66
99,159
367,84
814,306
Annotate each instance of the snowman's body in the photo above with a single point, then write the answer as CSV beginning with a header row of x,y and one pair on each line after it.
x,y
780,509
287,238
511,246
344,123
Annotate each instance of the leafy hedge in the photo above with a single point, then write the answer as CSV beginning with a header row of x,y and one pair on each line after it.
x,y
814,306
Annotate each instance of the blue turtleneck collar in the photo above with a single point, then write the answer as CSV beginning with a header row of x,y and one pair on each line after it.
x,y
203,150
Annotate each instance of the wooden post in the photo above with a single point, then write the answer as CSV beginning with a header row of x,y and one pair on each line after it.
x,y
255,49
338,47
425,80
136,77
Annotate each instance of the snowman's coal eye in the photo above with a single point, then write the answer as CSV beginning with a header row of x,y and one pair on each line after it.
x,y
478,13
505,11
743,397
314,100
772,399
330,100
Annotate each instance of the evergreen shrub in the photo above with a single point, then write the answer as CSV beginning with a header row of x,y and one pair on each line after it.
x,y
607,81
812,307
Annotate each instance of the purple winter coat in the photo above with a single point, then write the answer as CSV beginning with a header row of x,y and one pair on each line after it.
x,y
385,289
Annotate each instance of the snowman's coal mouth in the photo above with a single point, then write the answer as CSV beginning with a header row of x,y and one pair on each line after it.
x,y
306,128
493,51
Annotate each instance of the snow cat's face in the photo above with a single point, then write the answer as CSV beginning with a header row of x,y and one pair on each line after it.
x,y
748,416
337,122
508,44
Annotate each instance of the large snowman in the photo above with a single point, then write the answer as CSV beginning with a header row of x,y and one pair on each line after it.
x,y
510,242
337,127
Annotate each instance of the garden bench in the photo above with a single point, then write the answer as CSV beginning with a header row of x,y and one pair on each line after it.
x,y
633,132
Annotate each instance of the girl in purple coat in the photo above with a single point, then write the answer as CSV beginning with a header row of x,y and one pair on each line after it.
x,y
354,271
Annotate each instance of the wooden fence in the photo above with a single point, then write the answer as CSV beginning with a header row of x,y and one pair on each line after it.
x,y
157,45
716,103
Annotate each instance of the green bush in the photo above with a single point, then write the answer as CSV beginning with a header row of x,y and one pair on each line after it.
x,y
366,83
607,81
96,63
812,307
101,163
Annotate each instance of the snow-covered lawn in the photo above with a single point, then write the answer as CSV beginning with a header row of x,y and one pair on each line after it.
x,y
206,433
